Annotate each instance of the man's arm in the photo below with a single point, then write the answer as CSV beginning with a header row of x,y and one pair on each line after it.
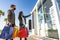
x,y
9,15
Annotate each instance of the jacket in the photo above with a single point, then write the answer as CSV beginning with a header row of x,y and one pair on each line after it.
x,y
11,16
21,20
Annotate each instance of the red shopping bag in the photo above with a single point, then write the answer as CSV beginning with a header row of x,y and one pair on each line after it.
x,y
23,33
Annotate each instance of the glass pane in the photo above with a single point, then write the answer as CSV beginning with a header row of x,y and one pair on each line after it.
x,y
49,19
40,17
58,1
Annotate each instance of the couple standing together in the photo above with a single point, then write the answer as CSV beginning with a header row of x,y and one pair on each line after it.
x,y
11,17
21,17
8,30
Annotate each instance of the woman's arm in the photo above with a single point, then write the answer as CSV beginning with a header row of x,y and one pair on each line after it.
x,y
27,16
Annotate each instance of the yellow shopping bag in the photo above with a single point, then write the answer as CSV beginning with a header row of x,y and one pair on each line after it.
x,y
15,33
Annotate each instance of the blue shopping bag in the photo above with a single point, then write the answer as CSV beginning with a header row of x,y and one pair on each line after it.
x,y
7,32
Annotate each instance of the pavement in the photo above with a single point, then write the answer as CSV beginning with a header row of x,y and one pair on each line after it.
x,y
35,37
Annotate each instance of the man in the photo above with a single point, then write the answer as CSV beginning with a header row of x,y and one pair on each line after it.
x,y
11,15
8,30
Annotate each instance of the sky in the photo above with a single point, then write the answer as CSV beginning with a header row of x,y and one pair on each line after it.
x,y
21,5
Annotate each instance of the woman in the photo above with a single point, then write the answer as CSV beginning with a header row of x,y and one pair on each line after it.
x,y
22,20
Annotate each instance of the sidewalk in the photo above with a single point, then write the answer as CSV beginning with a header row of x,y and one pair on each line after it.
x,y
35,37
19,38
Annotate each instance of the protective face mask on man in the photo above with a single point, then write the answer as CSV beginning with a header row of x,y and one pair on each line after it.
x,y
14,8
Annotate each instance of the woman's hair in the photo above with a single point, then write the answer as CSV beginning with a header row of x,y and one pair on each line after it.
x,y
20,14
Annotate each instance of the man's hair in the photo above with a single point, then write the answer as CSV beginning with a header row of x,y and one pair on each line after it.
x,y
12,5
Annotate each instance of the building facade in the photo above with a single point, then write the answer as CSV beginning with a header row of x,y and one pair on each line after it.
x,y
45,18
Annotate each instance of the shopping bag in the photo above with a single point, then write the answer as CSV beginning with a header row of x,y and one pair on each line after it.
x,y
15,33
7,32
23,33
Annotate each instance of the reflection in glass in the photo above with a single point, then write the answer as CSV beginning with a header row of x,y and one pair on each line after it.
x,y
49,19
